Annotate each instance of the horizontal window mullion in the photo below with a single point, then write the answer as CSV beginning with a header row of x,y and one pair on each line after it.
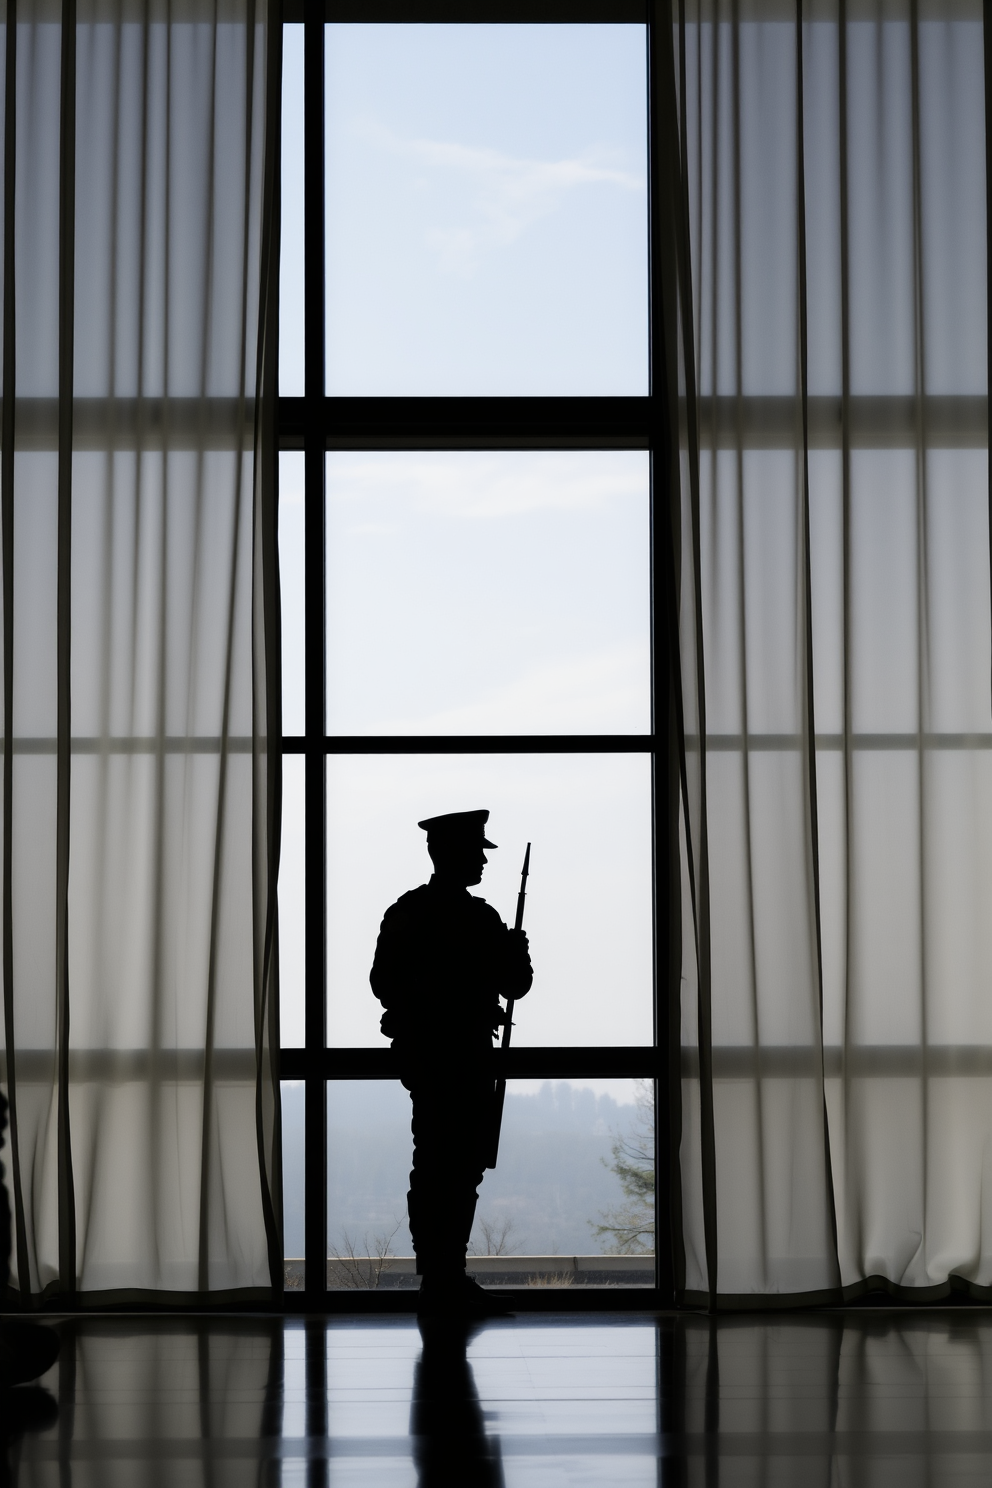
x,y
150,423
570,12
834,743
833,1061
474,423
135,744
491,744
109,1066
412,744
576,743
754,422
875,421
477,744
470,12
582,1062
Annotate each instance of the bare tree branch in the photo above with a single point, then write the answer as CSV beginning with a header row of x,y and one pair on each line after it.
x,y
630,1223
497,1236
361,1268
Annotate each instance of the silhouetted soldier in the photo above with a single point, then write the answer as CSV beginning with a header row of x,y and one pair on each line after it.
x,y
443,959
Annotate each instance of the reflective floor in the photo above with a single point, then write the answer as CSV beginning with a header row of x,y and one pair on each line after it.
x,y
860,1398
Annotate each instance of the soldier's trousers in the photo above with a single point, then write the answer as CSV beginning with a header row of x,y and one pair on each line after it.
x,y
452,1120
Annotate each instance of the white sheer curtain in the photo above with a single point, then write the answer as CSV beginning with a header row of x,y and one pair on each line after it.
x,y
836,654
140,802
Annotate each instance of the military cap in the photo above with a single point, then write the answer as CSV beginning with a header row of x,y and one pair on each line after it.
x,y
457,824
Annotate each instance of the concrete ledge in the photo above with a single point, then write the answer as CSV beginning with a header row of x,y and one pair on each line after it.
x,y
400,1272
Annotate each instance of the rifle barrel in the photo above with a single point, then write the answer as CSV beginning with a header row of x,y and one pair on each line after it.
x,y
499,1094
518,924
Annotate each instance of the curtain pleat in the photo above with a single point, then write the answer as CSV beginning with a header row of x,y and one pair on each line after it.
x,y
267,672
696,1031
806,604
7,537
140,649
835,570
666,692
67,271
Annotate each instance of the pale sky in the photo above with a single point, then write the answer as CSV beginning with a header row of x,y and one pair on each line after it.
x,y
486,222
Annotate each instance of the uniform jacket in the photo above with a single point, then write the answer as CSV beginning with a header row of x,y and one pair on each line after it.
x,y
441,962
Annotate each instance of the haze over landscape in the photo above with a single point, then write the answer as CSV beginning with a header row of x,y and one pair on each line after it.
x,y
552,1181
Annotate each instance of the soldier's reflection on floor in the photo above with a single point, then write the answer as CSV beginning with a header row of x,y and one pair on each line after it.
x,y
450,1444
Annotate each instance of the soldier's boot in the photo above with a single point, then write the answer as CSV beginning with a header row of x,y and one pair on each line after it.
x,y
476,1302
455,1295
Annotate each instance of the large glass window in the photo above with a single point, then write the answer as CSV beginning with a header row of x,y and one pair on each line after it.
x,y
466,541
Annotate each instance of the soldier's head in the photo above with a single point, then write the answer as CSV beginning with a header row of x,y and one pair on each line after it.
x,y
457,845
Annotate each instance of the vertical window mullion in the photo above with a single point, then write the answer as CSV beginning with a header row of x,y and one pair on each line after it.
x,y
315,1223
664,835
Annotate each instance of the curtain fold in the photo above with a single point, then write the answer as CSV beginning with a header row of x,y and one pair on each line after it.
x,y
836,1033
140,646
267,673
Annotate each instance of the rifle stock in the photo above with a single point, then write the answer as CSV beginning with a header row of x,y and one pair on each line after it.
x,y
499,1094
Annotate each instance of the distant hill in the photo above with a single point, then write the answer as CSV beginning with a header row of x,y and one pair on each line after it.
x,y
550,1182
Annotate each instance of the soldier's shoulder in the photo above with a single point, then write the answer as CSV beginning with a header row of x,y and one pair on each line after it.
x,y
485,911
410,903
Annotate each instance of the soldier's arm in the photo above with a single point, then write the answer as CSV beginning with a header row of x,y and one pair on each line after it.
x,y
392,967
519,971
512,955
397,975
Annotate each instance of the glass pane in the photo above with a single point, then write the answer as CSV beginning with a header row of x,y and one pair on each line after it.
x,y
294,1385
557,1189
368,1174
372,1380
292,589
555,1210
292,903
293,1187
544,1405
488,593
588,911
291,316
486,210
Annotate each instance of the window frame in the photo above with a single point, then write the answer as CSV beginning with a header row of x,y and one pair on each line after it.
x,y
316,423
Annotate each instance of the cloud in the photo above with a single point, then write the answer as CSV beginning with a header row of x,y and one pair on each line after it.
x,y
500,195
602,691
484,487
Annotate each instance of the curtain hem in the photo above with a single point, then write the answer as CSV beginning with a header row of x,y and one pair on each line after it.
x,y
954,1286
152,1298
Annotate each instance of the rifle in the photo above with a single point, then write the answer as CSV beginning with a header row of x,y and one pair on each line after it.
x,y
499,1095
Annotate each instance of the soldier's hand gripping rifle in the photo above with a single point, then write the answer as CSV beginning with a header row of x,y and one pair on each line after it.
x,y
499,1095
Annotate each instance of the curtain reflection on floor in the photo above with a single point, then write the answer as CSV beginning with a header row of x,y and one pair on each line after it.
x,y
191,1401
873,1396
868,1396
